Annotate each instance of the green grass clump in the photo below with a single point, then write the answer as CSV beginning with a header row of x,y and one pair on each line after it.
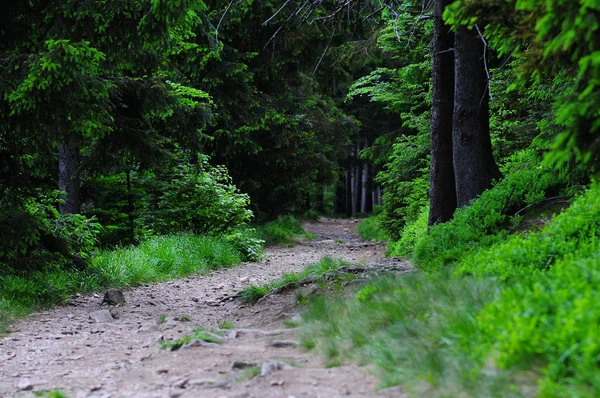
x,y
158,259
253,293
197,334
369,229
281,231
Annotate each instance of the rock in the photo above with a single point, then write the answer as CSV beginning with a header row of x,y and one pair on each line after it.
x,y
283,343
162,371
277,382
200,343
113,297
101,316
181,383
269,367
242,365
25,384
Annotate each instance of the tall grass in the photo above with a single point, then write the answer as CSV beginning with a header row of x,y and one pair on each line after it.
x,y
281,231
158,259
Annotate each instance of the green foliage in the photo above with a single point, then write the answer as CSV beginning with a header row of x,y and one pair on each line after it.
x,y
486,220
553,38
164,258
201,202
370,229
411,236
280,231
247,242
34,235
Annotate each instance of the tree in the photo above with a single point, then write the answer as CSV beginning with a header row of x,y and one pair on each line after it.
x,y
472,157
442,188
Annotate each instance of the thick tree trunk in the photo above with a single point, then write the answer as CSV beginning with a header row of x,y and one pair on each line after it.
x,y
442,190
68,162
473,160
320,200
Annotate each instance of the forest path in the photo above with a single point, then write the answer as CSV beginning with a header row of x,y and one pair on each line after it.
x,y
64,349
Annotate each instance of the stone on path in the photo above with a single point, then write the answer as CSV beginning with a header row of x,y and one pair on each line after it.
x,y
269,367
113,297
25,384
101,316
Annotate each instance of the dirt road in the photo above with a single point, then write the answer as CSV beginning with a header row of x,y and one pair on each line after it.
x,y
65,349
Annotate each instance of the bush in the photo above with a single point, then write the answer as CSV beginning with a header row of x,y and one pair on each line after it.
x,y
247,242
199,201
34,236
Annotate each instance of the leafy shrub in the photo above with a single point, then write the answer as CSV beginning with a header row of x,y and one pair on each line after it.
x,y
200,201
247,242
485,221
33,235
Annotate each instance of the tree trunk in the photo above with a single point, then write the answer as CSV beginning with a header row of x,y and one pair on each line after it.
x,y
130,207
68,181
442,190
473,160
349,192
363,195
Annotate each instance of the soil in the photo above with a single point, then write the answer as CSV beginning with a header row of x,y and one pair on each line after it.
x,y
65,348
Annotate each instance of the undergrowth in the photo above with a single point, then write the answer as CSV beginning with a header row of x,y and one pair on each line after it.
x,y
515,314
282,231
370,229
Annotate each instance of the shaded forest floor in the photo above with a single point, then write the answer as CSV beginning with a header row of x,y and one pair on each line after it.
x,y
66,349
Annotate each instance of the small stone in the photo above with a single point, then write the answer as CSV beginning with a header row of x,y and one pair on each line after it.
x,y
283,343
277,382
242,365
25,384
269,367
101,316
162,371
181,383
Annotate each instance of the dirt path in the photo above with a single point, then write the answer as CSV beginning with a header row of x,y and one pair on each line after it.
x,y
64,349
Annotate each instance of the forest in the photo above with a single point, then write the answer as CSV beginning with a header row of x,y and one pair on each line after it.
x,y
148,140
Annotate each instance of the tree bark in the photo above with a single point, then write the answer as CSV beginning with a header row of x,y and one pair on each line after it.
x,y
442,190
68,181
473,159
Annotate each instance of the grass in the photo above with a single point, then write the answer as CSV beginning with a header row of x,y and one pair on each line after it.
x,y
158,259
197,334
415,329
282,231
369,229
253,293
516,315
